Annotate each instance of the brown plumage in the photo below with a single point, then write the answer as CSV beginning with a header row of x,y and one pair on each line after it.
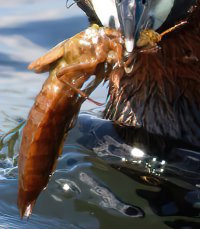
x,y
162,93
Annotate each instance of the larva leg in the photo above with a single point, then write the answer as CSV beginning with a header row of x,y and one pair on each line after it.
x,y
86,68
78,69
83,94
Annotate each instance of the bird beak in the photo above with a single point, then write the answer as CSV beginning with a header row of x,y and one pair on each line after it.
x,y
133,16
127,17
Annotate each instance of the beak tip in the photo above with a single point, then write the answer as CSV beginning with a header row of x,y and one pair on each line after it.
x,y
129,44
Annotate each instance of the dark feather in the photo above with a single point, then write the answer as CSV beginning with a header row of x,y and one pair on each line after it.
x,y
162,93
87,7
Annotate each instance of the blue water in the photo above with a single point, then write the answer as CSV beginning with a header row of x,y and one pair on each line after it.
x,y
103,179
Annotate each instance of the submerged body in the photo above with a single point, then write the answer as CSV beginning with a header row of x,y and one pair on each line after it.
x,y
71,63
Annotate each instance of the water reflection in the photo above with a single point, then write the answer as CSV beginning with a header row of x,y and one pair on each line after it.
x,y
83,184
176,173
106,199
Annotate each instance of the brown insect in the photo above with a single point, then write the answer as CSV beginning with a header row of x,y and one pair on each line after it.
x,y
95,51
